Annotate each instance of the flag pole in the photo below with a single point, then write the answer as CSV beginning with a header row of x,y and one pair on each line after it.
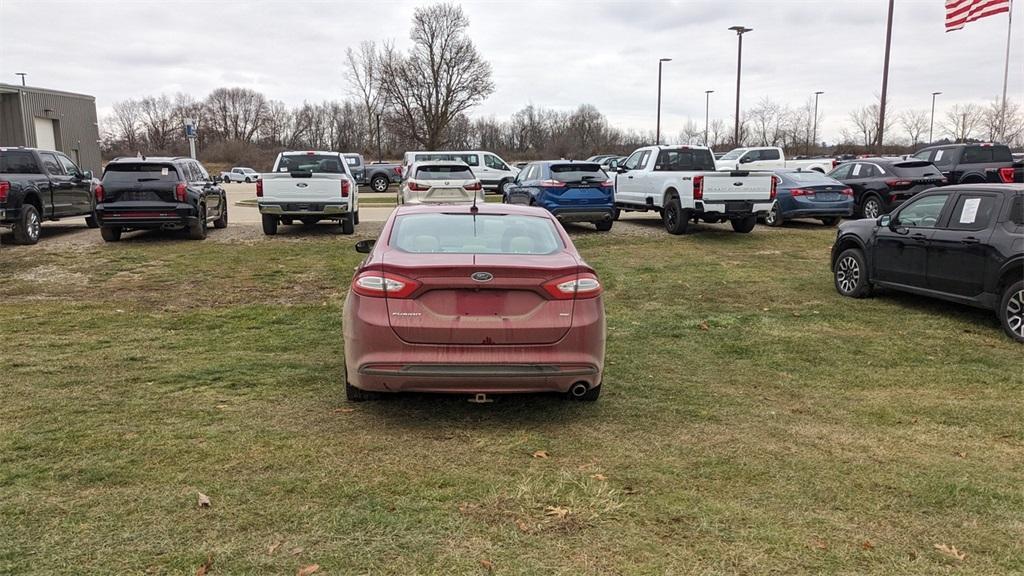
x,y
1006,67
885,79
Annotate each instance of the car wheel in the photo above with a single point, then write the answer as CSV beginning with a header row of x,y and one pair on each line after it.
x,y
28,226
505,186
353,394
197,230
356,220
774,216
227,180
1011,313
871,208
676,220
851,274
110,233
830,221
222,220
379,183
604,225
248,181
269,224
348,225
616,213
744,225
91,220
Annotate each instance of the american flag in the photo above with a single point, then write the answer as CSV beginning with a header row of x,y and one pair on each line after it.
x,y
960,12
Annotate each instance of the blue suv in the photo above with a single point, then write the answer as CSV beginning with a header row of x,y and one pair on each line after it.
x,y
571,191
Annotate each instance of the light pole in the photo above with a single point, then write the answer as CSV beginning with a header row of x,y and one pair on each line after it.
x,y
740,31
707,106
814,131
22,74
657,130
931,124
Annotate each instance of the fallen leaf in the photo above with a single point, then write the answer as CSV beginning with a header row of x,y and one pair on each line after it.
x,y
307,570
523,526
221,406
961,454
296,551
205,566
951,552
540,454
204,500
488,565
819,544
704,325
343,410
273,547
559,512
599,477
867,545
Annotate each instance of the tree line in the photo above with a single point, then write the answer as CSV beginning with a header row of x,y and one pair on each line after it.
x,y
421,98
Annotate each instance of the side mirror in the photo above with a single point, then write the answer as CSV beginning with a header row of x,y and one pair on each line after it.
x,y
746,160
621,169
885,221
365,246
87,175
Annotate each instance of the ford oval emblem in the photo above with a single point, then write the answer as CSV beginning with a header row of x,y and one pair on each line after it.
x,y
482,276
302,185
737,183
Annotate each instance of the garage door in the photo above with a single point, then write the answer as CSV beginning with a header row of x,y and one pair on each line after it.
x,y
45,137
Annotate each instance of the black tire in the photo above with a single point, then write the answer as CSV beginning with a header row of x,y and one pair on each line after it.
x,y
269,224
604,225
348,223
227,180
615,214
197,229
248,181
744,225
221,220
29,225
830,221
353,394
774,216
356,217
676,220
91,220
872,207
110,233
850,274
1011,311
287,221
379,183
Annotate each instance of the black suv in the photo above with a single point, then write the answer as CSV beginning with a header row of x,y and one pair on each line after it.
x,y
881,184
959,243
159,193
971,163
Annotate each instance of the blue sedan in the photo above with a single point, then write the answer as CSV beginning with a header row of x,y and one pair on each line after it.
x,y
809,194
571,191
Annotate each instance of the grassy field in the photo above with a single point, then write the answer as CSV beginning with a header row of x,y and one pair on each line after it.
x,y
752,422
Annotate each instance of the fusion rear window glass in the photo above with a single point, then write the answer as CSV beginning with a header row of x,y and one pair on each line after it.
x,y
443,173
464,233
311,163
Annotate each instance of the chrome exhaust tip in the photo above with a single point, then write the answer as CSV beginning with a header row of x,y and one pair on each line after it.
x,y
578,390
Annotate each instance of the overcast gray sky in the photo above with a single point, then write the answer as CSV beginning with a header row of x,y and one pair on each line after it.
x,y
551,54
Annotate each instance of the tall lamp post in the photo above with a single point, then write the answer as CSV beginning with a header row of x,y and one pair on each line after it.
x,y
707,116
814,131
931,124
740,31
22,74
657,130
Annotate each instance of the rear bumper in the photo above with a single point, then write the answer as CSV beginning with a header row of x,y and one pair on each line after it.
x,y
144,215
312,208
793,208
720,208
377,360
582,214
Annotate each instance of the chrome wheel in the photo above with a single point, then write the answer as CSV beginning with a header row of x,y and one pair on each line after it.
x,y
871,208
33,226
380,184
1015,313
848,274
772,217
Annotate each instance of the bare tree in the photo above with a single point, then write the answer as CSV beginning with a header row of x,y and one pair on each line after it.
x,y
157,121
692,133
766,122
127,121
914,124
439,79
865,122
1001,125
236,113
963,121
362,74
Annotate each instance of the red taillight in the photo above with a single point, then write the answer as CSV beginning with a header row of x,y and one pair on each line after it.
x,y
259,188
1006,175
383,284
608,184
180,190
416,187
577,286
345,185
847,192
775,186
698,187
398,170
551,184
898,183
473,187
801,192
99,194
5,187
835,163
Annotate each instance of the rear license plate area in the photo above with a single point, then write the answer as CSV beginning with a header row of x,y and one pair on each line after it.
x,y
303,208
737,206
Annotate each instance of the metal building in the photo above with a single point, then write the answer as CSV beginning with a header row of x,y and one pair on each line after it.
x,y
51,119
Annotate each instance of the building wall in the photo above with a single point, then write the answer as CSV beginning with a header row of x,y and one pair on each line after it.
x,y
76,130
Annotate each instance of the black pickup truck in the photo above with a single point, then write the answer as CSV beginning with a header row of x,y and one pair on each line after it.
x,y
37,185
971,163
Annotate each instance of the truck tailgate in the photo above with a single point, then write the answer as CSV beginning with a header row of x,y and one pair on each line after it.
x,y
307,188
738,186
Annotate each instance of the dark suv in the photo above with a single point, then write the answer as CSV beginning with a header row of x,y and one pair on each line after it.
x,y
881,184
159,194
971,163
959,243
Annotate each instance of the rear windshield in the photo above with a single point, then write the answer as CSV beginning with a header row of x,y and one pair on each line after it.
x,y
481,234
916,170
352,160
310,163
18,162
444,173
574,173
140,172
985,154
807,178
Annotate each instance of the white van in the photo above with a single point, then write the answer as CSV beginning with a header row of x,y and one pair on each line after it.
x,y
494,173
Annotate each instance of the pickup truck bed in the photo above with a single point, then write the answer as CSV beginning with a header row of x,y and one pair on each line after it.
x,y
308,187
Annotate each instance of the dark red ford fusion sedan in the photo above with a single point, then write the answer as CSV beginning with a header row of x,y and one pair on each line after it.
x,y
488,299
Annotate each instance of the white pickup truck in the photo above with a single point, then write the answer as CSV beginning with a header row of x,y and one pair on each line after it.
x,y
240,174
681,183
308,186
770,158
